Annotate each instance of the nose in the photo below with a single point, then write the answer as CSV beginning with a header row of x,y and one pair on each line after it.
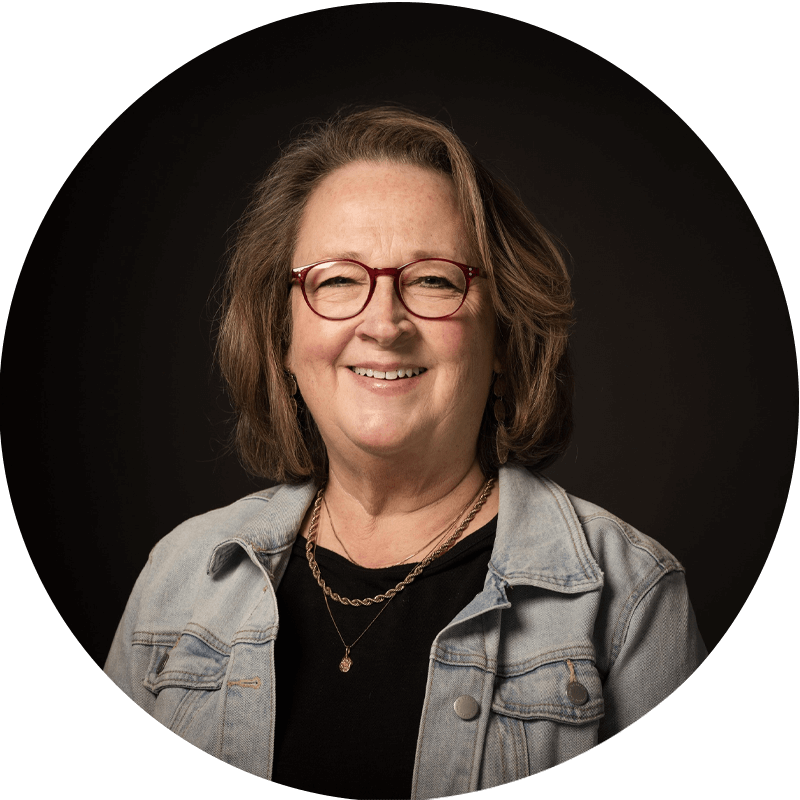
x,y
385,319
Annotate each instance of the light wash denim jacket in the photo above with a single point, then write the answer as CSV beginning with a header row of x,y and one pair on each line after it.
x,y
572,596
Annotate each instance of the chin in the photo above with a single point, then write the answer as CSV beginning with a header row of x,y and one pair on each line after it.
x,y
383,446
387,438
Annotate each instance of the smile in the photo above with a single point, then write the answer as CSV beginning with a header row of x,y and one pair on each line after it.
x,y
389,375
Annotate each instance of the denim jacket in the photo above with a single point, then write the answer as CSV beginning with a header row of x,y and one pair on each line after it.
x,y
582,626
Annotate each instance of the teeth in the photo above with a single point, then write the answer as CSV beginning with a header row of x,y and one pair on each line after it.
x,y
390,375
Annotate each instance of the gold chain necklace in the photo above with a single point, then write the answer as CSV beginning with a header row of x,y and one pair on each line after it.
x,y
438,536
347,662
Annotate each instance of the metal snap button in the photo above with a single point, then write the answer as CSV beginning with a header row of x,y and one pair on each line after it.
x,y
466,707
577,693
162,663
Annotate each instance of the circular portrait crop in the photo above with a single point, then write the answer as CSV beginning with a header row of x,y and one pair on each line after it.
x,y
398,416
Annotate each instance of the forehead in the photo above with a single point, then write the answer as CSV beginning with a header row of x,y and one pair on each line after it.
x,y
392,210
388,178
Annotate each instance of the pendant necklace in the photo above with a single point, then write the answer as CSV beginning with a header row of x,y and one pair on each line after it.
x,y
347,662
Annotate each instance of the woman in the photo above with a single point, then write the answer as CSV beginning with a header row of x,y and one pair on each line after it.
x,y
413,611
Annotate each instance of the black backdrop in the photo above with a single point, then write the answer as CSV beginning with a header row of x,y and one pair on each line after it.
x,y
686,401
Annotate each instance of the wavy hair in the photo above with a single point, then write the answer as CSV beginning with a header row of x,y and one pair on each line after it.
x,y
529,283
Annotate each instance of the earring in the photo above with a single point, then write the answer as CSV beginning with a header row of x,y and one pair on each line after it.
x,y
499,390
292,388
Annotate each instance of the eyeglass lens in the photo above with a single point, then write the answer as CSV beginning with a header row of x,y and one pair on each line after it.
x,y
430,288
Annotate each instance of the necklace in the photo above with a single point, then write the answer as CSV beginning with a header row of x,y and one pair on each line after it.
x,y
407,558
347,662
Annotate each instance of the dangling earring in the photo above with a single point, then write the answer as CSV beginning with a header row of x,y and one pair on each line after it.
x,y
499,389
292,387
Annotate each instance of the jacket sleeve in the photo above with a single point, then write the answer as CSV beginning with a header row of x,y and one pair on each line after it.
x,y
660,648
126,664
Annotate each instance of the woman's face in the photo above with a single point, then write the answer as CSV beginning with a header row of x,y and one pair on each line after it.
x,y
386,215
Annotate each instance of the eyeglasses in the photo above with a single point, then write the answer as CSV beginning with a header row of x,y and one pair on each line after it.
x,y
430,288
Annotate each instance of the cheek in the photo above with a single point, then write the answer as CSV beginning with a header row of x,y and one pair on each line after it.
x,y
474,340
470,351
316,344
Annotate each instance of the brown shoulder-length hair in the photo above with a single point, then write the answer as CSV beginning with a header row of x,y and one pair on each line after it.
x,y
529,283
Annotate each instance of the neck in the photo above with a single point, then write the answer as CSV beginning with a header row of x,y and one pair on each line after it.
x,y
382,516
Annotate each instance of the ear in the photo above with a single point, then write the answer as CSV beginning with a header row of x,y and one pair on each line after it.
x,y
500,350
498,365
287,335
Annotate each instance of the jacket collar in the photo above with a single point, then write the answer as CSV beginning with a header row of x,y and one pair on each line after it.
x,y
540,541
267,526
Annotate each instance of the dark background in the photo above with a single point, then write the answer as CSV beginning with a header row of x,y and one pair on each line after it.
x,y
115,423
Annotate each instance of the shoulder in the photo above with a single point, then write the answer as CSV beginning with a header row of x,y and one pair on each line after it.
x,y
557,539
552,539
615,543
195,539
217,558
644,600
264,522
643,594
608,582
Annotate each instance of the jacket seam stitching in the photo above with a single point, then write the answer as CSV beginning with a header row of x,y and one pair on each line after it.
x,y
484,663
176,634
623,620
203,675
656,553
476,755
544,578
420,746
586,651
220,647
221,737
566,709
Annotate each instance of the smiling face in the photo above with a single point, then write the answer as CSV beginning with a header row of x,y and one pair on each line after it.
x,y
386,215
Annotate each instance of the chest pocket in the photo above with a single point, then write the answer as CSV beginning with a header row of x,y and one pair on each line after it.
x,y
186,679
540,718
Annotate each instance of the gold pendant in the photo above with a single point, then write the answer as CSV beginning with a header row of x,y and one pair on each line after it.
x,y
346,662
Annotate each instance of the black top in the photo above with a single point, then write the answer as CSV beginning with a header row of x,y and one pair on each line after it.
x,y
354,734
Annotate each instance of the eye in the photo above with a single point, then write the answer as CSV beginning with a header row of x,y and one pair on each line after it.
x,y
336,276
432,282
337,280
433,277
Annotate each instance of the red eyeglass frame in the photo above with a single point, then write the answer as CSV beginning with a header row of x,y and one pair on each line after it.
x,y
299,274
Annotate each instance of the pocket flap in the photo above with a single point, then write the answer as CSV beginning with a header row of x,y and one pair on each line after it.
x,y
190,663
545,693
